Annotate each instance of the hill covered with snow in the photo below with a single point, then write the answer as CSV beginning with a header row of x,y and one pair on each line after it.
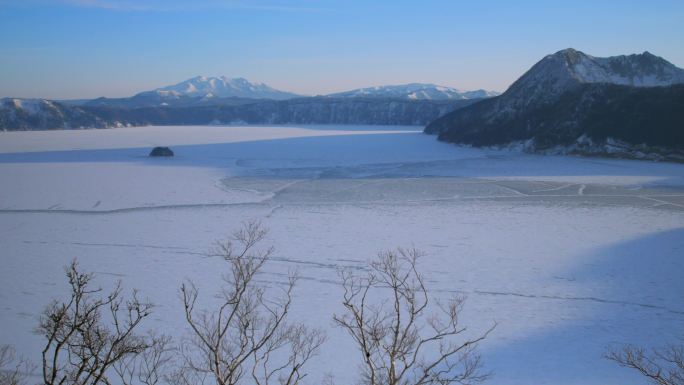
x,y
573,102
40,114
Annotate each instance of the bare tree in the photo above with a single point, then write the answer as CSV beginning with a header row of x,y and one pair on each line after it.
x,y
246,335
14,370
660,366
148,367
400,340
88,334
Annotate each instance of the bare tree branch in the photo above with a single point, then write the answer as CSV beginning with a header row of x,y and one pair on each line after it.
x,y
247,333
148,367
88,334
660,366
399,341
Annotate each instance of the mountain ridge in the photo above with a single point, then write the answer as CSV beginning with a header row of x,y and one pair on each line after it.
x,y
21,115
415,91
222,86
570,95
568,68
201,90
32,114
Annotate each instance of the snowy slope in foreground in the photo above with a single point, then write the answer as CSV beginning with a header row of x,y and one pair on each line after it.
x,y
568,255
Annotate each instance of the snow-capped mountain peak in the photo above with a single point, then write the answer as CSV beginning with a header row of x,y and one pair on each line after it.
x,y
637,70
563,70
222,86
414,91
569,99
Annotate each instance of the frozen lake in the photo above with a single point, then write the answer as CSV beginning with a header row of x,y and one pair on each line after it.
x,y
568,255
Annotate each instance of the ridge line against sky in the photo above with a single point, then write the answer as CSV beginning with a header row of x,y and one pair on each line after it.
x,y
64,49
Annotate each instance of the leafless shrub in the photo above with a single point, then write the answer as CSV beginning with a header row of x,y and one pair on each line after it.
x,y
660,366
399,341
88,334
247,333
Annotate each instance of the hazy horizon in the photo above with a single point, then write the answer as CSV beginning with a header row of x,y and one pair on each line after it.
x,y
82,49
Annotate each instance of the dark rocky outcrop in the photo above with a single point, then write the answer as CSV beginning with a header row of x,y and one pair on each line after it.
x,y
161,152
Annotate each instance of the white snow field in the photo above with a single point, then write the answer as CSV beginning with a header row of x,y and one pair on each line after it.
x,y
569,255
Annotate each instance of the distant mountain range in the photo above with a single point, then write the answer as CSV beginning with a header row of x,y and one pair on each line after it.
x,y
415,91
214,91
571,102
205,100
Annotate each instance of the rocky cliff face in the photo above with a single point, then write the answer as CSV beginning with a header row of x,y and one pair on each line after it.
x,y
318,110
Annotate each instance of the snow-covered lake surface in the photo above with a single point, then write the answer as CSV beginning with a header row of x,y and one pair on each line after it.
x,y
568,255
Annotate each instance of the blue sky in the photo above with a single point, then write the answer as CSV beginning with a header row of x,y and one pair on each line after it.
x,y
89,48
